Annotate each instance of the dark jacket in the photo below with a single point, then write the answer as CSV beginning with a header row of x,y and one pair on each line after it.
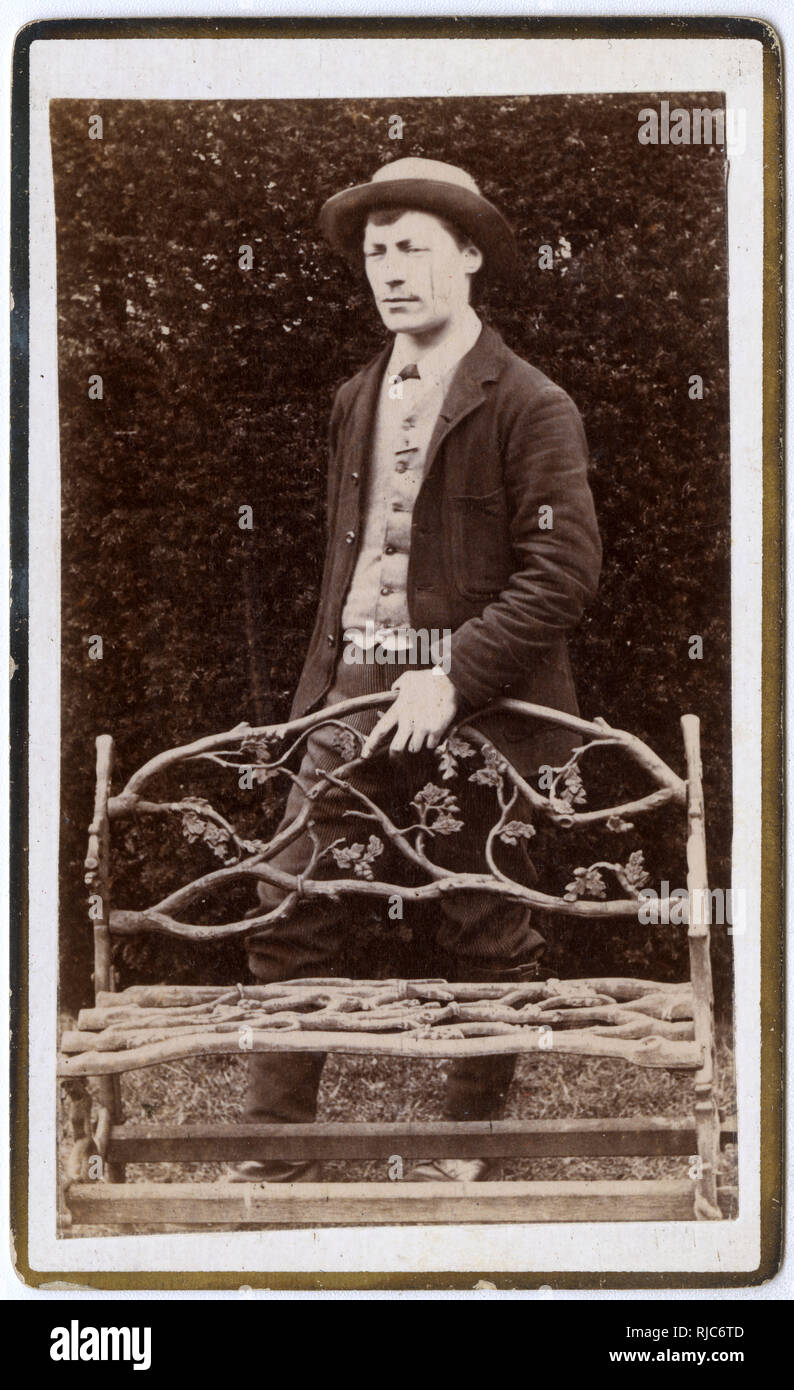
x,y
507,443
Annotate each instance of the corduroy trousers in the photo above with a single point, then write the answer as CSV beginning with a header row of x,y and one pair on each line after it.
x,y
478,937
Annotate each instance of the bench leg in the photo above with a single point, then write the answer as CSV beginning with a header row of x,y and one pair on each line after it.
x,y
98,878
707,1124
89,1141
707,1120
84,1148
111,1113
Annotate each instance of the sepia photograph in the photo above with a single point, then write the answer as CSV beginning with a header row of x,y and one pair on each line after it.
x,y
405,511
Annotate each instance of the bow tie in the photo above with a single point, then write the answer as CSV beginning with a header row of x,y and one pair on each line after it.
x,y
409,372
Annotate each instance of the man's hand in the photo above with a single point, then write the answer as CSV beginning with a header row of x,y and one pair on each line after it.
x,y
426,704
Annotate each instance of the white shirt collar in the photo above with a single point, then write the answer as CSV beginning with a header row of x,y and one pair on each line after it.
x,y
437,362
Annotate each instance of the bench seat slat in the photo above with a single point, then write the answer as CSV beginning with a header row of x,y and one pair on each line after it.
x,y
644,1052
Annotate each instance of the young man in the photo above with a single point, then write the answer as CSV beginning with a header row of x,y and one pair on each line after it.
x,y
458,504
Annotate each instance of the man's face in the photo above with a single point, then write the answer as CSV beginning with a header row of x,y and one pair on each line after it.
x,y
418,274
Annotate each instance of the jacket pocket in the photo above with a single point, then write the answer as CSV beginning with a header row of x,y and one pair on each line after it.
x,y
481,556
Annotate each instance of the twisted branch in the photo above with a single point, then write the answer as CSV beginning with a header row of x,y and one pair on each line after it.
x,y
221,748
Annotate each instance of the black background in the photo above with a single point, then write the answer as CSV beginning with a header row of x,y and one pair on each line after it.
x,y
207,1337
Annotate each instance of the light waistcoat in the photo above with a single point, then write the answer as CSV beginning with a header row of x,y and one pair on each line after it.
x,y
376,607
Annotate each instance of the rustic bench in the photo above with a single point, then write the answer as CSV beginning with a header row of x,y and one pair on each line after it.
x,y
641,1022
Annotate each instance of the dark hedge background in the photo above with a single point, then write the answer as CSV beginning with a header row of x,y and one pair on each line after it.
x,y
217,388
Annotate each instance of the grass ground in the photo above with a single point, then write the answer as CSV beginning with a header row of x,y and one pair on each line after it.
x,y
376,1088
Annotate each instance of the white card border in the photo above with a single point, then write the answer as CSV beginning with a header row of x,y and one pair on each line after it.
x,y
268,68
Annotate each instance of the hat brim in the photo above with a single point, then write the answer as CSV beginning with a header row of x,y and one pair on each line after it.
x,y
343,216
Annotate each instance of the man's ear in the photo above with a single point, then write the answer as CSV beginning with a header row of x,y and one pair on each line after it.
x,y
473,258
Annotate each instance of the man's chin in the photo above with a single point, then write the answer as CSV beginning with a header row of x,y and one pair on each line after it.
x,y
415,324
405,322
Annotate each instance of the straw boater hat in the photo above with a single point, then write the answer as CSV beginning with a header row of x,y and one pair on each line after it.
x,y
427,185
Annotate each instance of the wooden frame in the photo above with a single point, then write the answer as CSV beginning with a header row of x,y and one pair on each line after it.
x,y
648,1024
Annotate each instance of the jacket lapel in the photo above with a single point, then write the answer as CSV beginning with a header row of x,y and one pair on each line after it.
x,y
361,419
483,363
